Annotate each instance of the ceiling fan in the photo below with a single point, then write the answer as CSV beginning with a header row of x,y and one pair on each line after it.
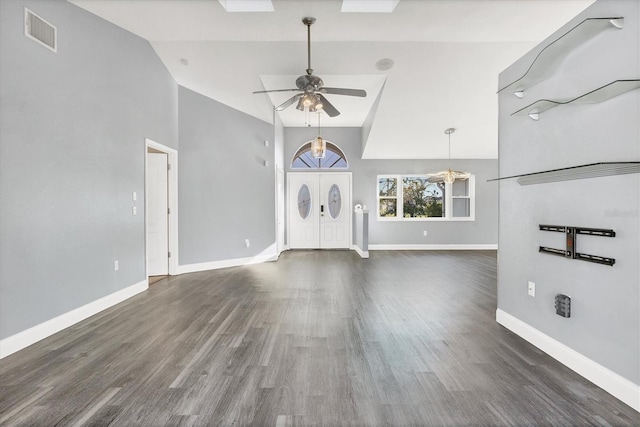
x,y
312,87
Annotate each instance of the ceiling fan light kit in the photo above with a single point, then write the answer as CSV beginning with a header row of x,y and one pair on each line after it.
x,y
312,87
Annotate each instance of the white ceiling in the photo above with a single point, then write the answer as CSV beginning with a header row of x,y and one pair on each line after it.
x,y
447,55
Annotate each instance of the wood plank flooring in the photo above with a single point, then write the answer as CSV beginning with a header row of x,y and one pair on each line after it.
x,y
317,338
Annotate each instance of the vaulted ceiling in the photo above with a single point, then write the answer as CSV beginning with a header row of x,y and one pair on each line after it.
x,y
446,59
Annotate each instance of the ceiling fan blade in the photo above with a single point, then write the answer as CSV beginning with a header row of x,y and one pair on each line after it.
x,y
327,106
341,91
276,90
288,102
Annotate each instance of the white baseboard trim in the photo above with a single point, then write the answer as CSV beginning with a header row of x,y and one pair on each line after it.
x,y
433,247
363,254
226,263
45,329
618,386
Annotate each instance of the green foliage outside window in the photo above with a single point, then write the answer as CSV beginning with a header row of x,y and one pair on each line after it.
x,y
388,190
425,197
422,198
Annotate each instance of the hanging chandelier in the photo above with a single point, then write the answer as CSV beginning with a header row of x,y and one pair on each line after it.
x,y
318,145
449,176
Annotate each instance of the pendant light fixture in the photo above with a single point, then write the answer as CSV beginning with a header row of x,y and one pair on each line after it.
x,y
449,176
318,145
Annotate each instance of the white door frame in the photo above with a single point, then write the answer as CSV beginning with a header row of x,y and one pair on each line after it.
x,y
347,205
172,185
280,210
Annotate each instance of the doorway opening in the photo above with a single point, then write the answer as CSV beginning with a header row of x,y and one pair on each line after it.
x,y
161,211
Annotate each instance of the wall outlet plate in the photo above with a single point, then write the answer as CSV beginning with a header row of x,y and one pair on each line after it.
x,y
531,289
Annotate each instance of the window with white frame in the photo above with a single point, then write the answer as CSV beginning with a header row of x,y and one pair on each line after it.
x,y
424,198
334,158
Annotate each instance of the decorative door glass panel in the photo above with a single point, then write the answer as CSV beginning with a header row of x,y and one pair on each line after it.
x,y
304,201
335,201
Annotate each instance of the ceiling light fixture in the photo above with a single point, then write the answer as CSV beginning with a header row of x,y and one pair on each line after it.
x,y
310,102
311,88
449,176
318,145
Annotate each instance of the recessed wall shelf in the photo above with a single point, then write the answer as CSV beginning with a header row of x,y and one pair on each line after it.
x,y
592,170
552,55
610,90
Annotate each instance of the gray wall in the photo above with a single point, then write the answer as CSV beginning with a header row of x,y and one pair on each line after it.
x,y
72,129
605,320
484,230
226,194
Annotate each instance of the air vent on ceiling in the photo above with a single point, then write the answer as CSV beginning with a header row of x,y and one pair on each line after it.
x,y
39,30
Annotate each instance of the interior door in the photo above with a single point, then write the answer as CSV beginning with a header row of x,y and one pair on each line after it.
x,y
157,215
319,214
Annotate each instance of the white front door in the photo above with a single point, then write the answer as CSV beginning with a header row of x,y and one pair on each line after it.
x,y
157,215
319,210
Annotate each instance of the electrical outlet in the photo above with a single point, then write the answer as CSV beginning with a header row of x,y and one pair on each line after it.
x,y
532,289
247,243
424,233
116,265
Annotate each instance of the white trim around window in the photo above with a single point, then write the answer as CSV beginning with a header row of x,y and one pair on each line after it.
x,y
455,202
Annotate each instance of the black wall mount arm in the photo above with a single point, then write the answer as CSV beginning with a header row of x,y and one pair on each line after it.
x,y
571,250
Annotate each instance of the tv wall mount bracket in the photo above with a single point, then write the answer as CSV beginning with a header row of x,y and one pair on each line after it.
x,y
571,250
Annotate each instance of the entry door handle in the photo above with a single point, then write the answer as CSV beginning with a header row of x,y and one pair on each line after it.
x,y
321,210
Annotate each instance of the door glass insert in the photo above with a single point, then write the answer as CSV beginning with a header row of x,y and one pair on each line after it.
x,y
335,201
304,201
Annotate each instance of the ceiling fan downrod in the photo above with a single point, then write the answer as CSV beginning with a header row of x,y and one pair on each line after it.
x,y
308,21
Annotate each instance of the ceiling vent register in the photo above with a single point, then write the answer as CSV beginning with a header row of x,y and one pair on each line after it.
x,y
40,31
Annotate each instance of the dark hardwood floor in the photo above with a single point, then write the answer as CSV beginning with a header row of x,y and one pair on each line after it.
x,y
318,338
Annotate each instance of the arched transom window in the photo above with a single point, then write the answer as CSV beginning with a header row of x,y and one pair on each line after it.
x,y
334,158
